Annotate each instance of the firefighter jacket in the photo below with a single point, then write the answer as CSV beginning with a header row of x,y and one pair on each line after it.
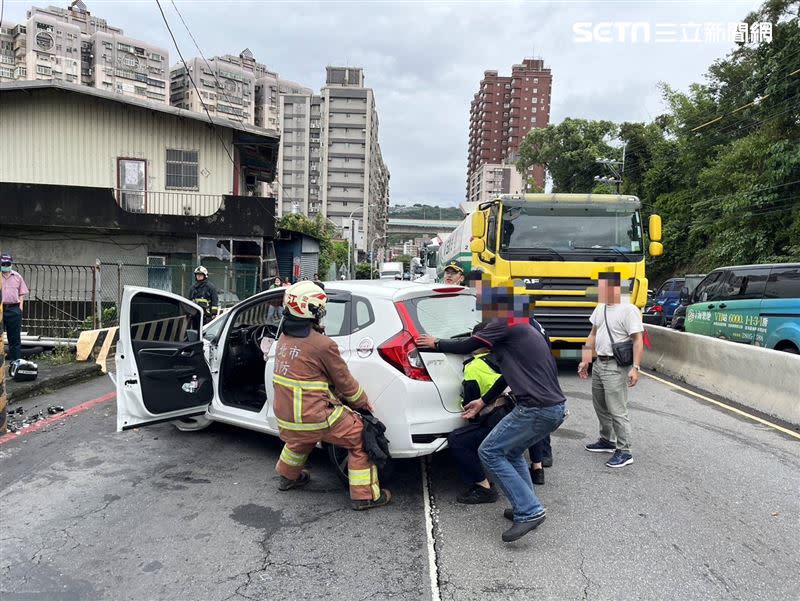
x,y
311,380
204,293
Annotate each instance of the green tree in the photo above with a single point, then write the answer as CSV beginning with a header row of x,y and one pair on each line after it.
x,y
405,260
568,152
320,228
362,271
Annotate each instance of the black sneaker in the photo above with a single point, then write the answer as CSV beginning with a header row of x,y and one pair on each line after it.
x,y
620,459
547,461
476,495
364,504
508,513
286,484
601,446
520,529
537,476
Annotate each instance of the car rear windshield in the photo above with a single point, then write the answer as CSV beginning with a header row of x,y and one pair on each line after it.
x,y
445,316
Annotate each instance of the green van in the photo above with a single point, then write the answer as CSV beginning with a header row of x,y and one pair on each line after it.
x,y
753,304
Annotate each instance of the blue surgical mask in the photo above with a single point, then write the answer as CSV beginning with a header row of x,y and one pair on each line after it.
x,y
5,268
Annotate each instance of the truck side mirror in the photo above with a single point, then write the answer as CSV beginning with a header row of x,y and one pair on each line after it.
x,y
656,249
478,224
654,229
685,295
477,245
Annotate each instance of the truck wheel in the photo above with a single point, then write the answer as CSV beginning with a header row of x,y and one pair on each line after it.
x,y
338,458
788,348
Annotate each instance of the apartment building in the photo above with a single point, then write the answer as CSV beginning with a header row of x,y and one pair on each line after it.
x,y
226,90
330,160
492,179
72,45
503,111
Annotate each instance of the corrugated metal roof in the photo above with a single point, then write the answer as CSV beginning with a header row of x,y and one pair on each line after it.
x,y
26,85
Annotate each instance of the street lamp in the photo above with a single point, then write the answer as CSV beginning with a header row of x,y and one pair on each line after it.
x,y
351,238
372,254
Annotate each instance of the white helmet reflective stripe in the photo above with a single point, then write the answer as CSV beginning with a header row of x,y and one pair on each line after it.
x,y
202,270
305,299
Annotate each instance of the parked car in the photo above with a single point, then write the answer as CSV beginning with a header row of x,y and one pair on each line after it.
x,y
679,314
167,371
752,304
663,302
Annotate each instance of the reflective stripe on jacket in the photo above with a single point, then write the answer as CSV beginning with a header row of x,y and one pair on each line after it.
x,y
311,380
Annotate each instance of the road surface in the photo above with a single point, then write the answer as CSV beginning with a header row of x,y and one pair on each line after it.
x,y
709,510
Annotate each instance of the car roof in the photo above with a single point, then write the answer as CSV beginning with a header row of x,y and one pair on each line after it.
x,y
385,289
389,289
756,266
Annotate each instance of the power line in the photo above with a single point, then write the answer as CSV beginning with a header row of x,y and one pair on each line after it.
x,y
189,74
216,78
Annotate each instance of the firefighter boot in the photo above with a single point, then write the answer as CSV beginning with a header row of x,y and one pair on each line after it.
x,y
286,484
384,499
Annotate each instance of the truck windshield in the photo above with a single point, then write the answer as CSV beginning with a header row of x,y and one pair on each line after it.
x,y
566,233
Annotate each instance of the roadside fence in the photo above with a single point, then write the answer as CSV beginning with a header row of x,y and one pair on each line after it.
x,y
67,299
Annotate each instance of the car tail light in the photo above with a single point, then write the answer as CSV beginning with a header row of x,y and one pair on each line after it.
x,y
449,290
401,352
657,309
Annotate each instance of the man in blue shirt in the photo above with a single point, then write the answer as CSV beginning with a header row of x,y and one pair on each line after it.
x,y
523,355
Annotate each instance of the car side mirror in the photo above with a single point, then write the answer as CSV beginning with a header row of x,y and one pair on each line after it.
x,y
192,335
685,296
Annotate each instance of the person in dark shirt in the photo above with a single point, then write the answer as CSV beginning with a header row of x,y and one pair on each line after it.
x,y
529,368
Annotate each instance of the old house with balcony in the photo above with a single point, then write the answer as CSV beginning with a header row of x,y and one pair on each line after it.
x,y
88,176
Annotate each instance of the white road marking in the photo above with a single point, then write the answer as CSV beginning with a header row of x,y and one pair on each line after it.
x,y
724,406
433,571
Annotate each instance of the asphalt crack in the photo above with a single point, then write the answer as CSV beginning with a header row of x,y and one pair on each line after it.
x,y
588,582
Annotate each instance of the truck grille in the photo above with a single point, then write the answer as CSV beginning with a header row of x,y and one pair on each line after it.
x,y
556,285
572,322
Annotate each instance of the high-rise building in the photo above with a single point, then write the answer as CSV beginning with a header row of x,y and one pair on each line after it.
x,y
226,90
502,112
492,179
330,160
72,45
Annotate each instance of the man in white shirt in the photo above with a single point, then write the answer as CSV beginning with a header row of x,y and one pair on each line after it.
x,y
610,381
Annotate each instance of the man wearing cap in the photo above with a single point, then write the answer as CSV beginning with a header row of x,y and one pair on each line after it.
x,y
14,292
454,274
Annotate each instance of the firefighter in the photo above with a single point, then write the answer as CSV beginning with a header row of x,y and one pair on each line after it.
x,y
311,380
204,293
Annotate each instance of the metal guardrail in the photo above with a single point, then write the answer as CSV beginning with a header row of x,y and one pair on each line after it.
x,y
62,299
173,202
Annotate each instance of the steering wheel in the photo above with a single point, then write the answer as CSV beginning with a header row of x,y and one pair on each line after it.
x,y
257,333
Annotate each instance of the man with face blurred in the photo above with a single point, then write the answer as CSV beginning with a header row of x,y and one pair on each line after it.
x,y
525,361
613,321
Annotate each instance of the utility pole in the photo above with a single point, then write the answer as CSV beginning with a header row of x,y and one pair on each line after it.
x,y
616,177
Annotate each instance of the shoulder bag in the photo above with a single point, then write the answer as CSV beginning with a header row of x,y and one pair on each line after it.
x,y
622,351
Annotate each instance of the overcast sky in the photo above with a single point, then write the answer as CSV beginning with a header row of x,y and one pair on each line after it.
x,y
425,60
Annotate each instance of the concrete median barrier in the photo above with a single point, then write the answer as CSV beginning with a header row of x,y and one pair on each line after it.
x,y
762,379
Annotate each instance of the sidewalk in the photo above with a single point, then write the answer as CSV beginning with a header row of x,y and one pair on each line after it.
x,y
51,377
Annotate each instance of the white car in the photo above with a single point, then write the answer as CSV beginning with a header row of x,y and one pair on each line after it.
x,y
167,372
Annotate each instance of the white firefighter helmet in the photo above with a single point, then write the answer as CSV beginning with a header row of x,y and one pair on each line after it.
x,y
201,269
305,300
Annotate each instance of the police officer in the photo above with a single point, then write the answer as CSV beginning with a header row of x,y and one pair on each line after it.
x,y
204,293
454,274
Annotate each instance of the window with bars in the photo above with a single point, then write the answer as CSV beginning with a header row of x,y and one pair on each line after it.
x,y
182,170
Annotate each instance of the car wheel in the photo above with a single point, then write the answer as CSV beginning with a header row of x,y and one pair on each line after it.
x,y
338,458
192,424
790,348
